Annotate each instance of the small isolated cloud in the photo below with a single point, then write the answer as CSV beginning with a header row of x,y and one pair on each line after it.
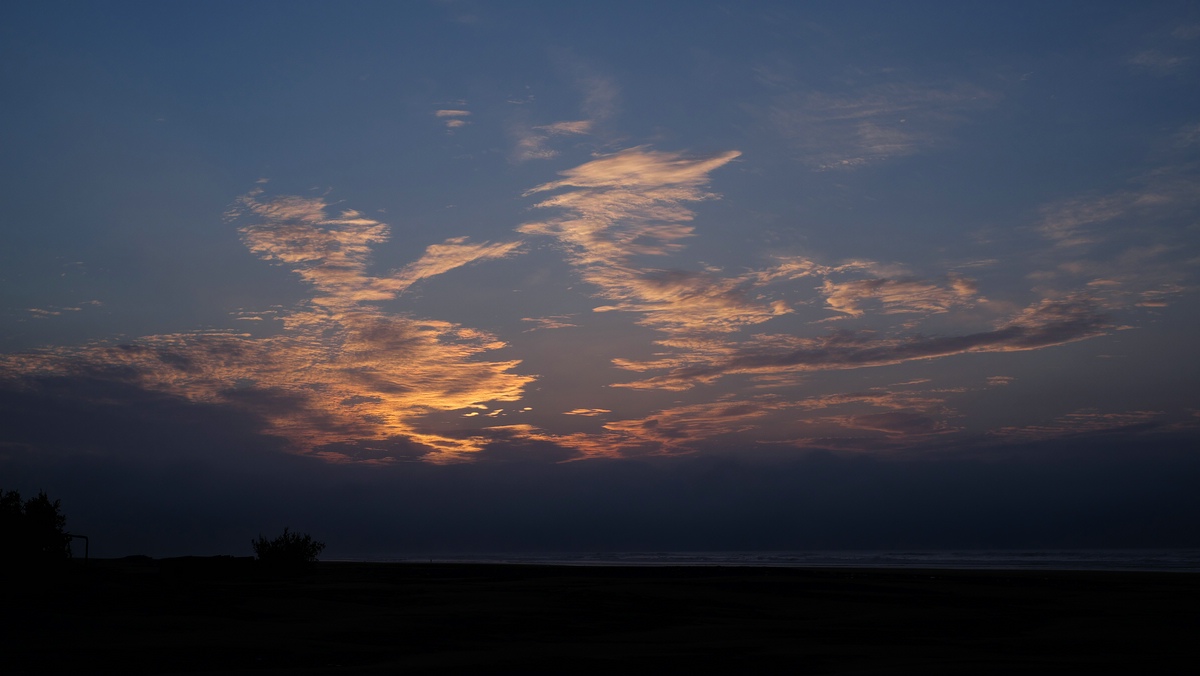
x,y
1188,136
590,412
242,315
567,128
1156,61
897,423
530,144
1186,32
42,313
600,97
453,118
533,143
997,381
57,311
551,322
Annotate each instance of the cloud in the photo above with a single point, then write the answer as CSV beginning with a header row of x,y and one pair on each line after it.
x,y
1188,136
453,253
453,118
905,416
342,368
1156,61
531,143
600,97
675,429
589,412
631,204
899,295
551,322
676,176
1082,422
873,124
1047,323
1186,32
1127,246
567,128
897,423
342,379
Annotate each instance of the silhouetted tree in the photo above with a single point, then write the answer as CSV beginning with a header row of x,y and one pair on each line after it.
x,y
290,550
33,531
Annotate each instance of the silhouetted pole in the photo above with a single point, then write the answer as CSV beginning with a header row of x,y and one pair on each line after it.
x,y
85,544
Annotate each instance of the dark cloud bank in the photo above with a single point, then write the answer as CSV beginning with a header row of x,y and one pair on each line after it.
x,y
141,472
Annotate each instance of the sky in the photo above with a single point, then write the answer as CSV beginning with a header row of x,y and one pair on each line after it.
x,y
536,276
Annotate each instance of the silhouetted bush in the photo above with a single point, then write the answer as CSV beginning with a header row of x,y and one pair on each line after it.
x,y
290,550
33,531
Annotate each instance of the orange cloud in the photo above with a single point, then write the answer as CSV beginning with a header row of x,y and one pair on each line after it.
x,y
632,204
341,369
590,412
453,118
551,322
453,253
898,295
1041,325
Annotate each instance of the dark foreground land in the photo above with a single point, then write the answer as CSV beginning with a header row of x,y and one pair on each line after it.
x,y
226,615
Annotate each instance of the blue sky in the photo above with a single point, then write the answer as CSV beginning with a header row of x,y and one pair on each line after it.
x,y
434,239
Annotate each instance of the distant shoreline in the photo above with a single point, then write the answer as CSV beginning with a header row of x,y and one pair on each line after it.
x,y
1016,559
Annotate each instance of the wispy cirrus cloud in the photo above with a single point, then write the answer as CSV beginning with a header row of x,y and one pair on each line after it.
x,y
551,322
873,124
620,208
533,143
1082,422
343,372
899,415
1047,323
899,295
346,379
453,253
1156,61
600,102
1126,246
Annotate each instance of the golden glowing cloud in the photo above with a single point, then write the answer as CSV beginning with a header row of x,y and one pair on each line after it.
x,y
342,370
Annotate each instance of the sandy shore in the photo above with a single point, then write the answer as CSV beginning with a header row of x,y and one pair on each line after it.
x,y
227,616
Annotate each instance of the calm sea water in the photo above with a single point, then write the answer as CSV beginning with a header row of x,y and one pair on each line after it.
x,y
1073,559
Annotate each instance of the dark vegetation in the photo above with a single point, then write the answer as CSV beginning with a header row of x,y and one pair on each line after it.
x,y
33,531
288,551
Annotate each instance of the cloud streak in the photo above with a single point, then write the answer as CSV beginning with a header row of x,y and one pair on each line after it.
x,y
1043,325
873,125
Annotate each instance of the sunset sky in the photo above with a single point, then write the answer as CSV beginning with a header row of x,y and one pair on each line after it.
x,y
645,275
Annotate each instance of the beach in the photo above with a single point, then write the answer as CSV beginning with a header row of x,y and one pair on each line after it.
x,y
227,615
